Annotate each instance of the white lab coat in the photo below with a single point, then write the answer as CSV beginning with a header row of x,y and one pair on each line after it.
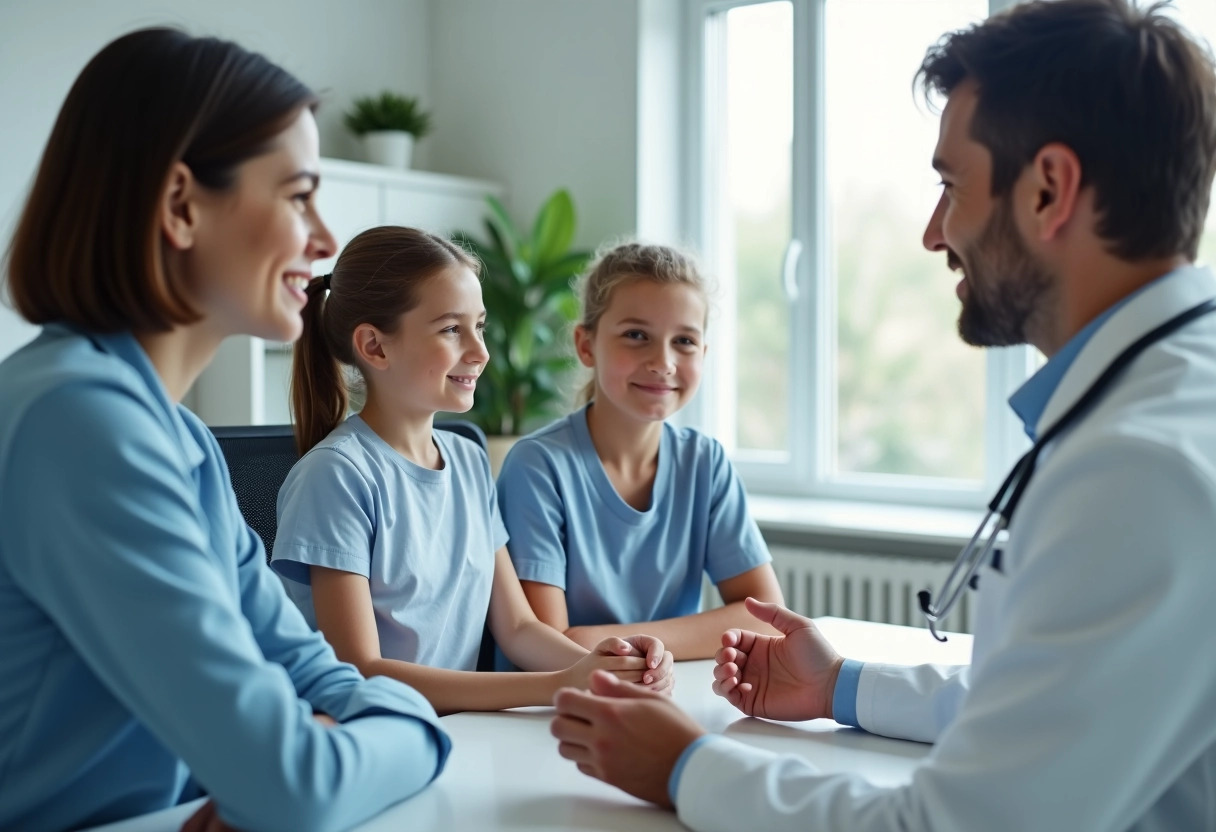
x,y
1090,703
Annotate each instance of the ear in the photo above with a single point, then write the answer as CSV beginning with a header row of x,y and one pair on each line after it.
x,y
369,347
583,339
178,211
1055,177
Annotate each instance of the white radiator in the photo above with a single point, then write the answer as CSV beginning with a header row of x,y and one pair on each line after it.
x,y
869,587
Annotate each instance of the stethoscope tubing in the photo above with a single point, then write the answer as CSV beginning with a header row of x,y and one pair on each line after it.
x,y
1005,502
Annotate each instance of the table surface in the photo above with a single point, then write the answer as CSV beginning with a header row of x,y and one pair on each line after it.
x,y
504,772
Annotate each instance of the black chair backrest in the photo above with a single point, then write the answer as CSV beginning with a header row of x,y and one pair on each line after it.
x,y
259,457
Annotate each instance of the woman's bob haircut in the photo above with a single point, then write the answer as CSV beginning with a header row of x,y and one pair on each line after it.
x,y
88,249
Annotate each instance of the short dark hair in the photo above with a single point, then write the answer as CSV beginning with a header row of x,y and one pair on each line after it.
x,y
88,248
1128,90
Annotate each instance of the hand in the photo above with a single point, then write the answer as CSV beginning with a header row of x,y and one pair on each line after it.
x,y
623,734
658,659
788,677
614,655
206,820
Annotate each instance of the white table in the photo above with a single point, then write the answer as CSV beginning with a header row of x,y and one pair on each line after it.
x,y
504,772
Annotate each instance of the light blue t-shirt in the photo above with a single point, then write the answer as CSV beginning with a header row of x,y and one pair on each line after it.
x,y
424,539
142,637
571,529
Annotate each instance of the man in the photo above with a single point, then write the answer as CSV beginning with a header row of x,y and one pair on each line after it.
x,y
1076,151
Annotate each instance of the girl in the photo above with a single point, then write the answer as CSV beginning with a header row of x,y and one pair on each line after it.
x,y
614,514
144,647
389,534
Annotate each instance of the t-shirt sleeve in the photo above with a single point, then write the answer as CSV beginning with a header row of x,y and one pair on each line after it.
x,y
534,514
734,544
327,517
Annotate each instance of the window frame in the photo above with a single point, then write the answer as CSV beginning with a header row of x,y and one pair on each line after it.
x,y
805,472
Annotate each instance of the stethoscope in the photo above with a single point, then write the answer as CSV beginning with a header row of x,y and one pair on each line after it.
x,y
1003,505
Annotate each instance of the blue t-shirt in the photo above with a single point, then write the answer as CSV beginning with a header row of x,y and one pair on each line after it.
x,y
424,539
143,639
571,529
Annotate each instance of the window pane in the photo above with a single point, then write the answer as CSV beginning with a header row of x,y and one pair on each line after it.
x,y
754,223
910,394
1200,17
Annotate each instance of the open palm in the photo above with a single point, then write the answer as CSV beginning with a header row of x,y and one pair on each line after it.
x,y
789,677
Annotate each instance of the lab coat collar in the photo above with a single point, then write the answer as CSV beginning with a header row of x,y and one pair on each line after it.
x,y
1168,296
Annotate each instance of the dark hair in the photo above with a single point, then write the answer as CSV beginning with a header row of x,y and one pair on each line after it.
x,y
88,248
1128,90
375,281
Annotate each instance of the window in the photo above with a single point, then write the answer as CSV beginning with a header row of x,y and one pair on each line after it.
x,y
835,366
813,178
1200,17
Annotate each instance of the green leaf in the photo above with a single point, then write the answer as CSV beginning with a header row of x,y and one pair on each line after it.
x,y
500,221
554,228
522,342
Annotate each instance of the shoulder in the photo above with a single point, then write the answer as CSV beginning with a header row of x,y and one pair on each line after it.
x,y
337,463
551,448
467,456
67,395
693,449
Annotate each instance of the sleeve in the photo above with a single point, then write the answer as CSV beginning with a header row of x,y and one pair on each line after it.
x,y
535,515
734,542
136,588
1087,706
326,517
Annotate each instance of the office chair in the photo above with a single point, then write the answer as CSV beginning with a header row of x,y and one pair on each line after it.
x,y
259,457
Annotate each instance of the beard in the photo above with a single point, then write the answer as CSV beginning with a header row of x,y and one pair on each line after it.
x,y
1008,290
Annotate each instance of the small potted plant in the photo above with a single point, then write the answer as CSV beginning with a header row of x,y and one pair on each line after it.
x,y
388,124
526,287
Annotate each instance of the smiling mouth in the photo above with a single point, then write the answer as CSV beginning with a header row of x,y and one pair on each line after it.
x,y
651,388
464,379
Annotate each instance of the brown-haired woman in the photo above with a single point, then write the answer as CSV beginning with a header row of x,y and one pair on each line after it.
x,y
145,650
388,534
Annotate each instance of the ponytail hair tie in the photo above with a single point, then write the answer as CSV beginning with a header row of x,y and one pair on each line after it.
x,y
327,279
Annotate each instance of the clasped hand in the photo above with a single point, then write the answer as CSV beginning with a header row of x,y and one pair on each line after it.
x,y
630,737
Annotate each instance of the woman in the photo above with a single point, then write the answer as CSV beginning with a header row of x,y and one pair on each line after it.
x,y
145,650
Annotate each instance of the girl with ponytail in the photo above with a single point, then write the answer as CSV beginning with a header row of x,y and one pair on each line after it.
x,y
389,536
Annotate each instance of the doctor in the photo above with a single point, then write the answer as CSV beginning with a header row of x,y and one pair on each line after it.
x,y
1076,151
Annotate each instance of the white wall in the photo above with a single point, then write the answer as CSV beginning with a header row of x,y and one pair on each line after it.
x,y
341,49
541,94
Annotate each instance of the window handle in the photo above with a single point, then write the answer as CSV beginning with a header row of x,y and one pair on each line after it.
x,y
789,269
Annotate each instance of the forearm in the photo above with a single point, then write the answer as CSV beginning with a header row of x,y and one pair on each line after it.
x,y
534,645
696,636
451,691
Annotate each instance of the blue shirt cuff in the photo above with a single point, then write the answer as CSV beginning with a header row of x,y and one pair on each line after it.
x,y
673,782
844,699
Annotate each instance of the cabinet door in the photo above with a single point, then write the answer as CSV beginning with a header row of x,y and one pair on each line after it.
x,y
436,211
347,208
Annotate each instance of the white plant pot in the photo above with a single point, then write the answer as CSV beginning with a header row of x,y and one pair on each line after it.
x,y
391,148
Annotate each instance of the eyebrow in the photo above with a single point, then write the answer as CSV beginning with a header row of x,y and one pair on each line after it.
x,y
314,178
456,316
939,165
641,322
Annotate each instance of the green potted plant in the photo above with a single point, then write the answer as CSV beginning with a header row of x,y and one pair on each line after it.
x,y
388,124
526,285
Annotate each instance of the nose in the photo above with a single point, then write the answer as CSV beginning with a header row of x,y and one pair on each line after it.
x,y
934,239
321,242
476,352
662,360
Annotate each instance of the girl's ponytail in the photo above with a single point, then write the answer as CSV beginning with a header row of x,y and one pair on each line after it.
x,y
318,390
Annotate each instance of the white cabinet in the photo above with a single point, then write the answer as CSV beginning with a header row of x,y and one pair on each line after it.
x,y
247,383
